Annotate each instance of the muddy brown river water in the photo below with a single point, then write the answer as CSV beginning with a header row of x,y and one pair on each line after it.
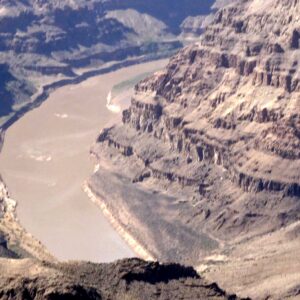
x,y
45,160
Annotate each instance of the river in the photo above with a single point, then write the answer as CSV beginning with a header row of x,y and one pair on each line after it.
x,y
45,160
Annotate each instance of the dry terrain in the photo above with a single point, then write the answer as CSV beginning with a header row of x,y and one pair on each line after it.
x,y
206,161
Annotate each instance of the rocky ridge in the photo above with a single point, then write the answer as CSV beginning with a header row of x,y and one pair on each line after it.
x,y
127,279
209,148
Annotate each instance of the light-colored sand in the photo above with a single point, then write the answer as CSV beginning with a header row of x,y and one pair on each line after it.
x,y
45,160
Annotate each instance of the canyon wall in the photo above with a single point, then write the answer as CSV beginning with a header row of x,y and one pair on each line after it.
x,y
224,118
41,41
218,132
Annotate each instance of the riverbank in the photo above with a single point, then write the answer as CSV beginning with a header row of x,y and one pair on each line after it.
x,y
139,250
45,159
83,75
15,241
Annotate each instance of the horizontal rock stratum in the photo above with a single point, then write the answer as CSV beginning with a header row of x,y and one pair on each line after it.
x,y
209,149
224,117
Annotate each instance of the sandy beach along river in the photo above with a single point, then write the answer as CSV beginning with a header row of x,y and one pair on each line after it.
x,y
45,160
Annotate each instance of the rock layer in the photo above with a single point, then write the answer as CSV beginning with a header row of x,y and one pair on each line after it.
x,y
228,105
219,131
40,40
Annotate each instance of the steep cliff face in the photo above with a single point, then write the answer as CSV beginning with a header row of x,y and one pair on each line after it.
x,y
40,39
228,105
232,102
219,130
13,89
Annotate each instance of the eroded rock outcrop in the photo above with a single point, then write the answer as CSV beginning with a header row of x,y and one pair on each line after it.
x,y
229,103
127,279
217,131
